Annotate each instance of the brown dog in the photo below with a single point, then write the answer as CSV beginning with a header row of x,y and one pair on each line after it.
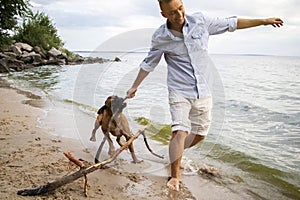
x,y
112,120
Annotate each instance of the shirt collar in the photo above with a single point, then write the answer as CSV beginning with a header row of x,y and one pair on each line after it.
x,y
186,23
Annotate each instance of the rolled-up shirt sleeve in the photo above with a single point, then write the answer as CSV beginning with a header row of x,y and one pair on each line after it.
x,y
221,25
152,60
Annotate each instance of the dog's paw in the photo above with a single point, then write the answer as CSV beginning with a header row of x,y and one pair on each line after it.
x,y
137,161
93,139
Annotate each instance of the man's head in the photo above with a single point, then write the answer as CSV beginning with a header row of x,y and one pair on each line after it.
x,y
173,10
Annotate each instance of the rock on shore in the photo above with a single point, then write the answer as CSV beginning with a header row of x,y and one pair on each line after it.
x,y
20,56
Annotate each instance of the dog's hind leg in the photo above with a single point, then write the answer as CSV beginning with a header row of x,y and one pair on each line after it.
x,y
119,141
131,149
110,143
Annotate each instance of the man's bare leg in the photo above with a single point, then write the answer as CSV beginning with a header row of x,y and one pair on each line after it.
x,y
176,148
192,139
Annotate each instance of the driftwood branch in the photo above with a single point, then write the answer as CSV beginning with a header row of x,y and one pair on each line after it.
x,y
77,162
80,164
76,175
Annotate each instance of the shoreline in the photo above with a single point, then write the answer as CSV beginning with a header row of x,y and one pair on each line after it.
x,y
31,157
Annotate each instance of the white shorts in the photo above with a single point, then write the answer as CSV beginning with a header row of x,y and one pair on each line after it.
x,y
190,115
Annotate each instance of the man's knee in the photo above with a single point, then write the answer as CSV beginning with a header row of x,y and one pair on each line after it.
x,y
200,137
179,133
192,140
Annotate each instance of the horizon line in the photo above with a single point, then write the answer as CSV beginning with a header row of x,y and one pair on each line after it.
x,y
241,54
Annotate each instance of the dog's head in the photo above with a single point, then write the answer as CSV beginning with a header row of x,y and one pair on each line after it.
x,y
115,103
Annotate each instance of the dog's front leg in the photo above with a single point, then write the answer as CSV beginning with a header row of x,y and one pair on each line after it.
x,y
96,126
111,149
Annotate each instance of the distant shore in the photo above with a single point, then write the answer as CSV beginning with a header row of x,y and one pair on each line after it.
x,y
20,56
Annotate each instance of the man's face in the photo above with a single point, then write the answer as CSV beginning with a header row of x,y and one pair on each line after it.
x,y
174,12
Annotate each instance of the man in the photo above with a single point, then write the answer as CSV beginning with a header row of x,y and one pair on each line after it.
x,y
183,42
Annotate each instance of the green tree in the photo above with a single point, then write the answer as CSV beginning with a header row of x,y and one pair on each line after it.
x,y
38,30
10,10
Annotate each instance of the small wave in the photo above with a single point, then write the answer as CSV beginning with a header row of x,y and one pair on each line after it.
x,y
83,107
254,113
285,97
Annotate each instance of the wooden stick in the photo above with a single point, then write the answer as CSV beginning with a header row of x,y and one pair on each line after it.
x,y
74,160
85,186
81,165
76,175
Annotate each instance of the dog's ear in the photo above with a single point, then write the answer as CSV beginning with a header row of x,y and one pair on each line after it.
x,y
108,101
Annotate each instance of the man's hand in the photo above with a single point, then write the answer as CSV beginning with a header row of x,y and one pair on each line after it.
x,y
248,23
275,22
131,92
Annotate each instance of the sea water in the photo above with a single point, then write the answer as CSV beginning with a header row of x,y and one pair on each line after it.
x,y
255,141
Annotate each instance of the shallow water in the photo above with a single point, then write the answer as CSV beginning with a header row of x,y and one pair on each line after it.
x,y
254,139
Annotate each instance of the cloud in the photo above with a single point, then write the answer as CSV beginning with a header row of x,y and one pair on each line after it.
x,y
85,24
77,14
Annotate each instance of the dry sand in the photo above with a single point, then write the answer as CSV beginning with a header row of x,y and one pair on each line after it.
x,y
30,157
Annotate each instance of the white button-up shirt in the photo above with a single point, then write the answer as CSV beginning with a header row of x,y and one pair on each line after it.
x,y
186,55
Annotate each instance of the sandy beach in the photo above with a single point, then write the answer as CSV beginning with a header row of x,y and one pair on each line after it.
x,y
31,157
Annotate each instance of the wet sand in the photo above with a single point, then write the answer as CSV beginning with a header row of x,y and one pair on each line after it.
x,y
30,157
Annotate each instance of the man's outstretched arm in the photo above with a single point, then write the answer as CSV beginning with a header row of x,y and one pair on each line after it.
x,y
248,23
140,77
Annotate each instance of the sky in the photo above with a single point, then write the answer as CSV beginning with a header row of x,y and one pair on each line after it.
x,y
86,25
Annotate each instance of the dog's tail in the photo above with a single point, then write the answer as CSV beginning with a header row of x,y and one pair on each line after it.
x,y
148,147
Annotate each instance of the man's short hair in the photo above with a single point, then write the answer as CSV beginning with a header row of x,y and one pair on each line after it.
x,y
164,1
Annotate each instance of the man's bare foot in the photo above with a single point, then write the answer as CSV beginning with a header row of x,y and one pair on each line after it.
x,y
173,184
